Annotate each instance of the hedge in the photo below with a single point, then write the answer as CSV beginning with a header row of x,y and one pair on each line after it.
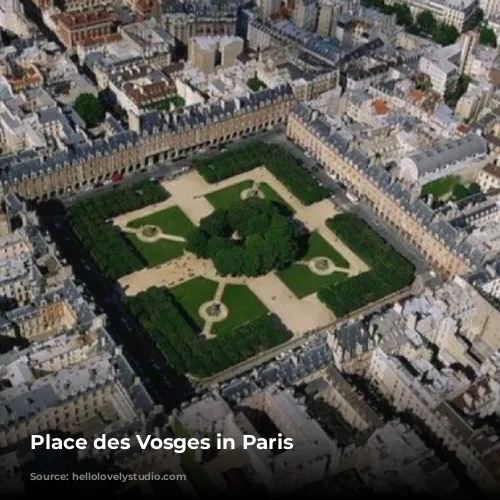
x,y
389,271
283,165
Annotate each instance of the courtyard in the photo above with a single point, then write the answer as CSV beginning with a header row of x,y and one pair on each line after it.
x,y
236,257
216,303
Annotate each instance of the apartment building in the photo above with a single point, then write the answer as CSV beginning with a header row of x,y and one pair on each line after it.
x,y
308,85
269,7
491,8
442,67
73,28
145,9
305,14
28,260
333,388
26,76
428,393
465,157
443,75
488,279
184,21
20,280
394,458
49,313
403,98
209,53
151,40
437,240
284,34
77,382
329,12
489,177
12,15
458,13
81,5
353,344
314,455
140,88
160,137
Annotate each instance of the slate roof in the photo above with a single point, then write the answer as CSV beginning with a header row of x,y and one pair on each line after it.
x,y
199,116
442,230
448,152
17,167
286,370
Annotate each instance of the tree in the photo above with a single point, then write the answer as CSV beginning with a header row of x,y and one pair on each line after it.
x,y
426,22
265,239
460,192
474,188
216,244
445,34
487,37
197,243
255,250
478,18
280,239
403,15
215,224
229,261
89,109
452,98
424,85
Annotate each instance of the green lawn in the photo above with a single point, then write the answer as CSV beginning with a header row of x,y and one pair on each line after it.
x,y
171,221
440,187
302,282
243,307
192,294
317,246
225,197
256,84
271,195
158,252
196,474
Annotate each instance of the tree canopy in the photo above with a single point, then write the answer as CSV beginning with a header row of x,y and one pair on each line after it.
x,y
282,164
478,18
445,34
90,109
452,98
107,245
426,22
250,238
403,13
389,271
487,37
185,350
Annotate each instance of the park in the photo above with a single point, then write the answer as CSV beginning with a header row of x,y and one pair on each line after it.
x,y
241,254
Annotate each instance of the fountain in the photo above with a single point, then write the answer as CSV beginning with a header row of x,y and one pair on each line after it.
x,y
214,309
252,192
322,266
150,231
